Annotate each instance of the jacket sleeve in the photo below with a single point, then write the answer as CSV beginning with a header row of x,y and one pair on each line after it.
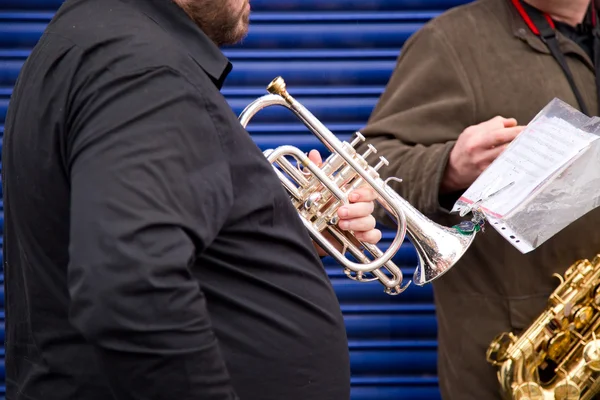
x,y
427,103
145,199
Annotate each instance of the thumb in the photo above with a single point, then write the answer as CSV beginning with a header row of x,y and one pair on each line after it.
x,y
315,157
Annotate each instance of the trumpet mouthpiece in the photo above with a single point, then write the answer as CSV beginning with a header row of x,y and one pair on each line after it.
x,y
277,86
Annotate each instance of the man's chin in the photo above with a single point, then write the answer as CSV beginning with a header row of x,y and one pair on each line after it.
x,y
238,37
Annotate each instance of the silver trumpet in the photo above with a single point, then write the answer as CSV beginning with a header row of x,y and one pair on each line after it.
x,y
318,191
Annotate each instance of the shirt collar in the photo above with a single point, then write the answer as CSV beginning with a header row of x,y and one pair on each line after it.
x,y
172,19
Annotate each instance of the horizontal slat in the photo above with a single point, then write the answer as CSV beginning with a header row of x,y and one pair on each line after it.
x,y
335,110
9,71
258,74
390,306
328,110
315,73
380,388
367,336
384,327
26,16
368,296
268,17
387,358
305,142
384,363
395,391
268,138
343,16
266,36
372,326
287,5
354,110
239,54
394,361
367,293
363,296
383,380
390,326
383,387
317,35
405,258
350,5
20,34
314,91
377,392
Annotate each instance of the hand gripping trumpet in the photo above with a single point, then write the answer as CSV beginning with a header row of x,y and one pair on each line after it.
x,y
318,191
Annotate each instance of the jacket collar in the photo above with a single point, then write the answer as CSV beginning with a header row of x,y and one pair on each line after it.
x,y
522,31
173,20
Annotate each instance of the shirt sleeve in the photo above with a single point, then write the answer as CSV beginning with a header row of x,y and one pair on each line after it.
x,y
426,104
150,188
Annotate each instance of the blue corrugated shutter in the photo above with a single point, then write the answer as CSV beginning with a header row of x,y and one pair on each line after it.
x,y
336,56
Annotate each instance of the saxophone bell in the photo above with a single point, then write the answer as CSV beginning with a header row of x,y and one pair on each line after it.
x,y
318,191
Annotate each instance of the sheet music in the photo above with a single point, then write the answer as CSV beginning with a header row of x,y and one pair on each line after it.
x,y
543,148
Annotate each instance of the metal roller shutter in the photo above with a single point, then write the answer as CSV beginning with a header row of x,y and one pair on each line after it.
x,y
336,56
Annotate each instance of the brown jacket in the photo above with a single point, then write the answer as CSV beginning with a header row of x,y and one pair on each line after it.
x,y
466,66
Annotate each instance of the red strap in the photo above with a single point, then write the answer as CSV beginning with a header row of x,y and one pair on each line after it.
x,y
528,21
534,29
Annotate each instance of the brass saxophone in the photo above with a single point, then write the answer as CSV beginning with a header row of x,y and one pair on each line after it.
x,y
558,356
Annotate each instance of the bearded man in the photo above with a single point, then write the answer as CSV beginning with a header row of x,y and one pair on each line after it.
x,y
150,249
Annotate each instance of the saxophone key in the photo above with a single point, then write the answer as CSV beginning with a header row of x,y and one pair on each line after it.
x,y
591,355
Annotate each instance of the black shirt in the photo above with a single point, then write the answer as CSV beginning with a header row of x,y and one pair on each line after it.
x,y
150,250
582,34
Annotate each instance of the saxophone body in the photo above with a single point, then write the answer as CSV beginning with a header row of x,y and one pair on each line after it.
x,y
558,356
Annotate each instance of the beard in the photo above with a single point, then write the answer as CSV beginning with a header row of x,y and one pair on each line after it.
x,y
217,20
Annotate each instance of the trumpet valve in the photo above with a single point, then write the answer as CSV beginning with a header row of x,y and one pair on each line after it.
x,y
370,149
359,138
312,202
333,220
382,161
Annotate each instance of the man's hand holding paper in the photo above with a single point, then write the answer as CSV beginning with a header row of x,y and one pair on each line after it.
x,y
476,148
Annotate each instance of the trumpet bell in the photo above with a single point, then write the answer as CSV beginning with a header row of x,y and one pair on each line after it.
x,y
435,260
317,192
